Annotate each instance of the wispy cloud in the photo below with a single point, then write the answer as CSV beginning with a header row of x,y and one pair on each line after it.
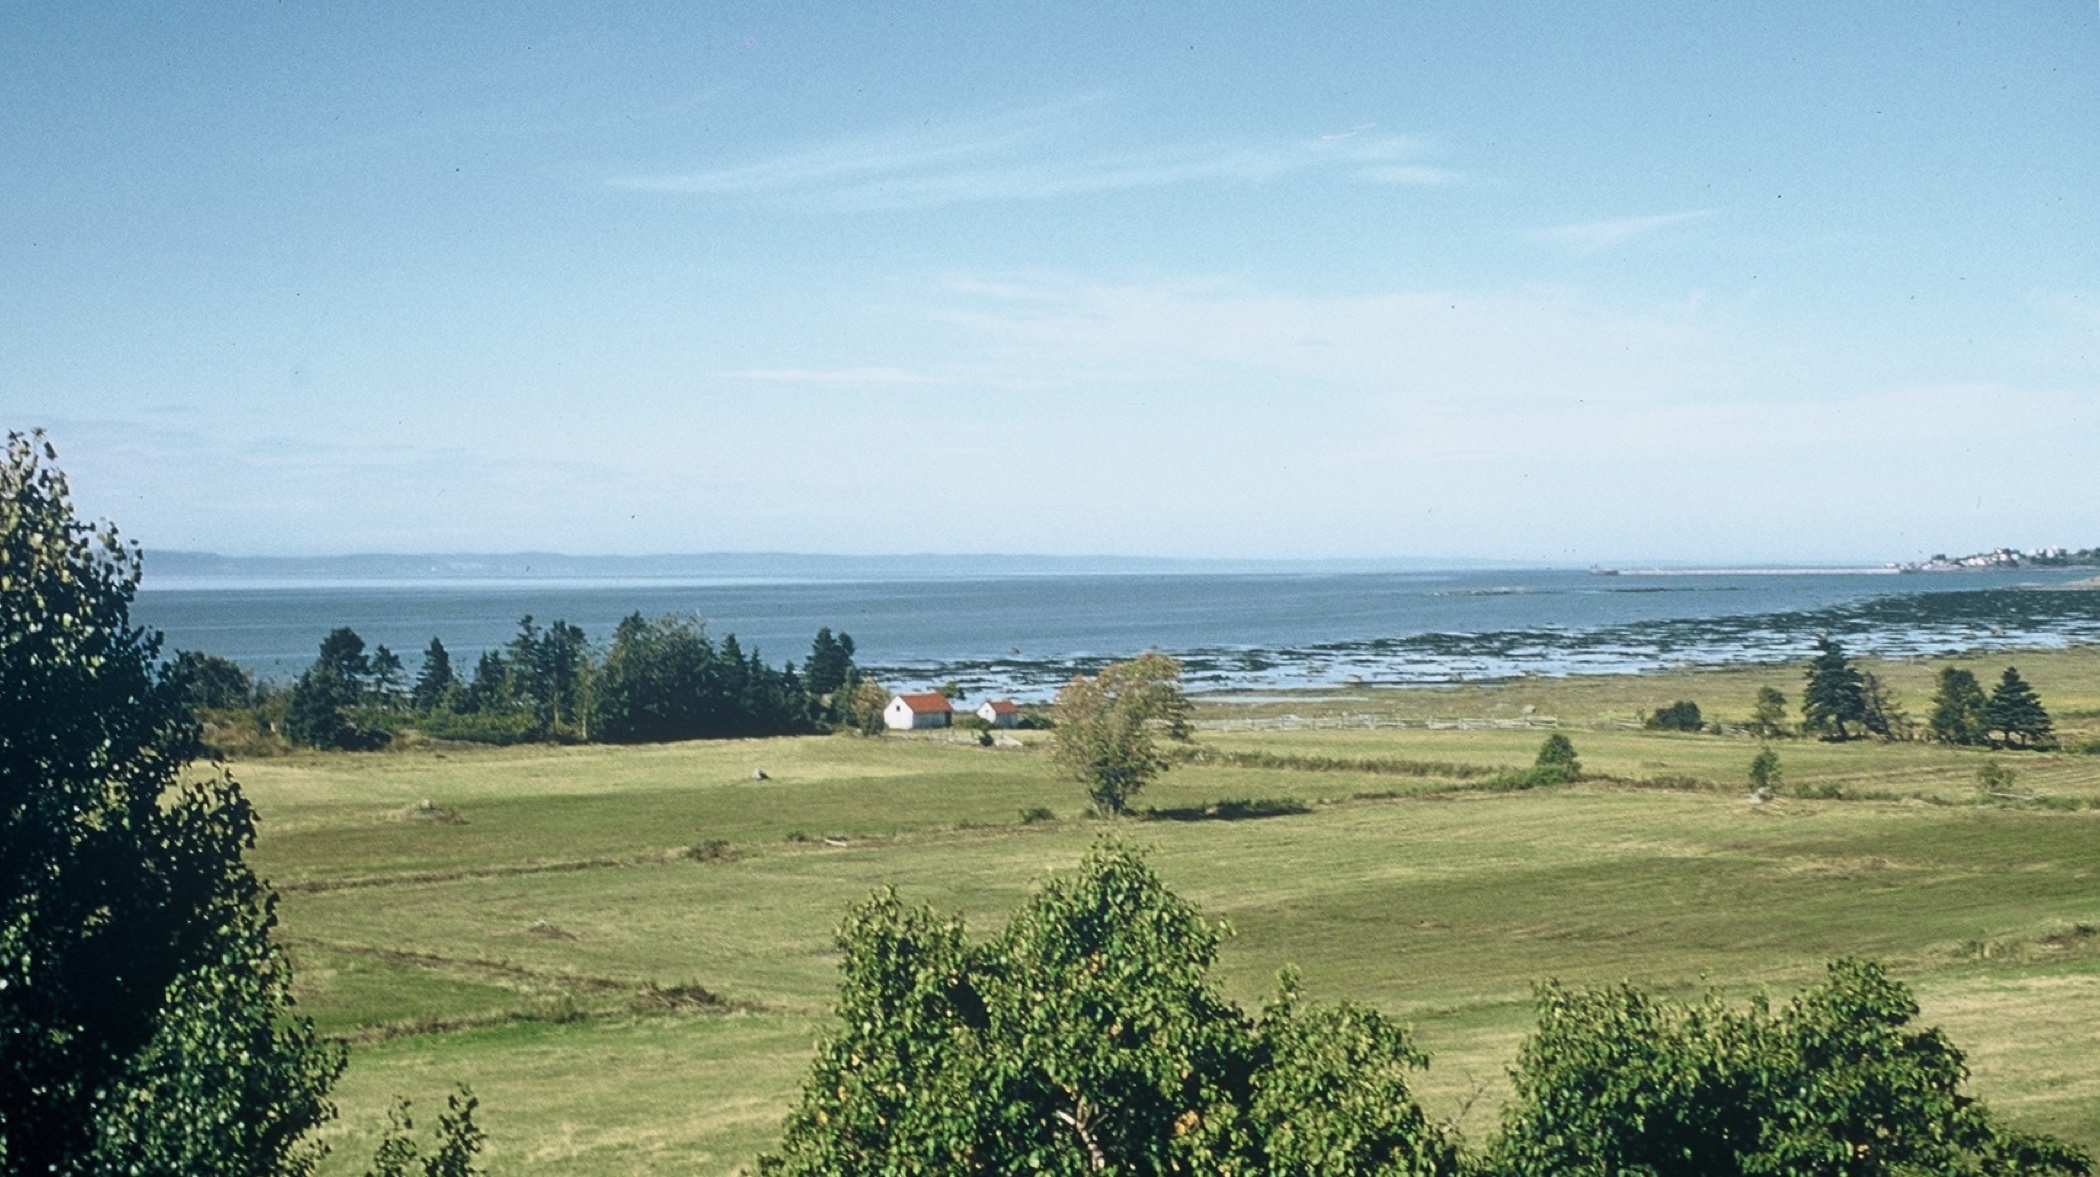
x,y
1036,154
1597,236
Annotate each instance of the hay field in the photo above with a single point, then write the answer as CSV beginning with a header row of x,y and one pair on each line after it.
x,y
627,950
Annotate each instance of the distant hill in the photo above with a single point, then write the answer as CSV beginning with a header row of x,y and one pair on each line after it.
x,y
760,566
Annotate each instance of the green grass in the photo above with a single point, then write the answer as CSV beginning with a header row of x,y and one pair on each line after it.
x,y
624,1009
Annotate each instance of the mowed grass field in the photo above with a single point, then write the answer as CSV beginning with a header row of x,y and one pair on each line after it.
x,y
627,951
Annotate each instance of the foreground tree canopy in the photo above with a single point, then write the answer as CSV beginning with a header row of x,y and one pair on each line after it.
x,y
1088,1037
145,1022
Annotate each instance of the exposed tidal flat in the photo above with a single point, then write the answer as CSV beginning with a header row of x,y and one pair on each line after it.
x,y
626,951
1024,636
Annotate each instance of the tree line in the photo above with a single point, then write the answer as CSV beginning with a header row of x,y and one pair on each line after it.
x,y
1840,701
661,678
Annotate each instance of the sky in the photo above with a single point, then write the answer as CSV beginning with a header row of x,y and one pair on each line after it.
x,y
1555,282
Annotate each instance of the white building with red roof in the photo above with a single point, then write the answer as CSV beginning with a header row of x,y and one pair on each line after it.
x,y
1000,713
906,712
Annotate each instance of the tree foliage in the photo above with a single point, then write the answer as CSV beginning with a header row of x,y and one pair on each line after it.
x,y
211,683
1088,1038
145,1017
2016,713
1768,714
1107,727
1835,1082
1681,716
1835,694
1556,763
1958,709
664,679
1764,773
435,681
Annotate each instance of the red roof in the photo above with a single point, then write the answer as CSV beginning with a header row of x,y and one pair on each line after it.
x,y
931,703
1002,706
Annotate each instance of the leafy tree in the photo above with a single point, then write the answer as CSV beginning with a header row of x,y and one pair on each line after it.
x,y
209,682
1835,694
435,681
1764,772
2017,714
1958,709
865,702
1681,716
458,1142
1106,724
1556,763
1088,1038
1768,714
1835,1082
146,1023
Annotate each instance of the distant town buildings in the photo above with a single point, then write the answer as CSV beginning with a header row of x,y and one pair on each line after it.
x,y
2008,558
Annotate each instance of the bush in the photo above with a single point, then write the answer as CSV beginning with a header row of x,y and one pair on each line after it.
x,y
1681,716
1835,1082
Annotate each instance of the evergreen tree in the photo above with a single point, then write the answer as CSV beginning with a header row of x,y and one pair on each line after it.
x,y
435,681
1880,711
489,691
389,678
145,1017
318,712
830,663
1958,709
2016,713
1835,694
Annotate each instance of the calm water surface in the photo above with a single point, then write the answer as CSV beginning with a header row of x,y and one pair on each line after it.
x,y
1024,635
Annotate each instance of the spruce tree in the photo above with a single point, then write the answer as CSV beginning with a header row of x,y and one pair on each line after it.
x,y
435,681
2016,712
1835,694
1958,708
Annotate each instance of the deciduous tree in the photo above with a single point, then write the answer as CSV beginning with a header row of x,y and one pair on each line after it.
x,y
1768,714
146,1023
1088,1038
1108,724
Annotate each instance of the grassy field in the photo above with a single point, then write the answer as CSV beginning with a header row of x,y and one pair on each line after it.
x,y
627,951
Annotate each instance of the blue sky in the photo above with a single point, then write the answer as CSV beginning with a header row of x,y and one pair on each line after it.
x,y
1537,281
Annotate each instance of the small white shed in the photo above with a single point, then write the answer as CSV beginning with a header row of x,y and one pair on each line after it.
x,y
906,712
1000,713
